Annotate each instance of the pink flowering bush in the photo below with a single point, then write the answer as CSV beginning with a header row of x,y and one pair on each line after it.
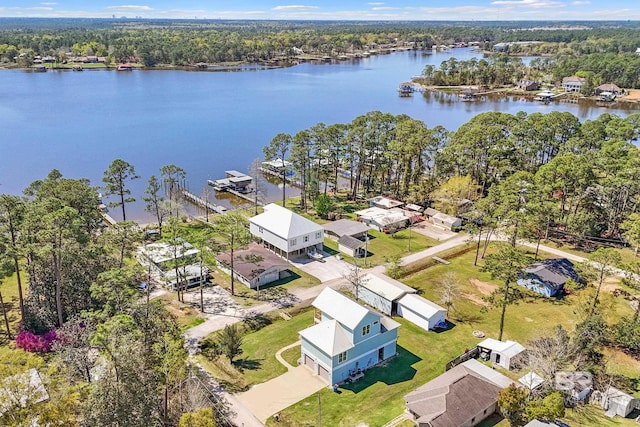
x,y
33,343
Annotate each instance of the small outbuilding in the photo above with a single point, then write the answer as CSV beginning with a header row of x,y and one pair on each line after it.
x,y
500,353
382,292
351,246
531,381
617,402
445,221
421,312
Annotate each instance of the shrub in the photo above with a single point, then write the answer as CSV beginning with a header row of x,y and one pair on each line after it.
x,y
33,343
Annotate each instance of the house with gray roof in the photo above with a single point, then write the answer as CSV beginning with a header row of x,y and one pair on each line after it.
x,y
347,338
254,266
548,277
463,396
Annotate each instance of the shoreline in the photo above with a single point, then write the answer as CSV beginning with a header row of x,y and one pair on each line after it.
x,y
632,97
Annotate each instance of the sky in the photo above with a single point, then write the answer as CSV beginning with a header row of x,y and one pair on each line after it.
x,y
468,10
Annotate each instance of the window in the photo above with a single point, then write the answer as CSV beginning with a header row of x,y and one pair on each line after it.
x,y
306,239
342,357
293,242
366,329
318,235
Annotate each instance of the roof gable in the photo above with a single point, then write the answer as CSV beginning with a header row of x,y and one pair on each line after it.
x,y
554,272
329,337
284,223
385,286
337,306
420,305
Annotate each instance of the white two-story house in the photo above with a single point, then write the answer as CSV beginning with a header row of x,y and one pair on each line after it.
x,y
286,232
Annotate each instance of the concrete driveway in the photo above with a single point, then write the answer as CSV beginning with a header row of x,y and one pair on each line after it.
x,y
329,268
271,397
432,231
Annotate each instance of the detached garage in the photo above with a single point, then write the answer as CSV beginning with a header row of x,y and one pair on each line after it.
x,y
421,311
382,292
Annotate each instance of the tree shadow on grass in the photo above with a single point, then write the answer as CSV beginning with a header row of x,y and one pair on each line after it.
x,y
393,371
449,325
247,364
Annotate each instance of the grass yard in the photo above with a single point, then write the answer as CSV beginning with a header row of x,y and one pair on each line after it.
x,y
378,397
382,247
292,355
593,416
258,362
186,316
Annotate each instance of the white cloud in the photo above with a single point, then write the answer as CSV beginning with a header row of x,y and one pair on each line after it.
x,y
48,3
386,8
580,2
130,8
295,7
528,3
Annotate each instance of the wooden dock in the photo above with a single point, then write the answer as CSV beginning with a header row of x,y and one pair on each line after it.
x,y
291,182
192,198
245,196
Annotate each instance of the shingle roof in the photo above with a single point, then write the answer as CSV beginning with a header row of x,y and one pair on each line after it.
x,y
554,271
454,397
345,227
253,261
388,288
284,223
340,308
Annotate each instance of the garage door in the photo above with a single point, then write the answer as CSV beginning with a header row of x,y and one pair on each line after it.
x,y
309,361
323,373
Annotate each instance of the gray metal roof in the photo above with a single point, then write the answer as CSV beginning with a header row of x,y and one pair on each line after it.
x,y
345,227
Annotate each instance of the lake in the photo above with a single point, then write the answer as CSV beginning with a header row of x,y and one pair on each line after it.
x,y
209,122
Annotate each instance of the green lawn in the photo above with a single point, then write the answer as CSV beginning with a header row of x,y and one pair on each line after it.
x,y
258,361
186,316
292,355
378,397
382,247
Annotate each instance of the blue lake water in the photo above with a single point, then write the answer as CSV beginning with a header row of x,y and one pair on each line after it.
x,y
208,122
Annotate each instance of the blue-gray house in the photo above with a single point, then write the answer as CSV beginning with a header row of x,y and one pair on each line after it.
x,y
547,277
347,338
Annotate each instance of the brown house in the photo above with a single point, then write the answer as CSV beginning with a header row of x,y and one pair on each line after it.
x,y
608,87
528,85
463,396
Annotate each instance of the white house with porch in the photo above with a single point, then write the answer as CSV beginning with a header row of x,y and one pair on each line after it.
x,y
285,232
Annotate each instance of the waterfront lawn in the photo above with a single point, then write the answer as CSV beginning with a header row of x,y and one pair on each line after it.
x,y
378,397
258,361
383,247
